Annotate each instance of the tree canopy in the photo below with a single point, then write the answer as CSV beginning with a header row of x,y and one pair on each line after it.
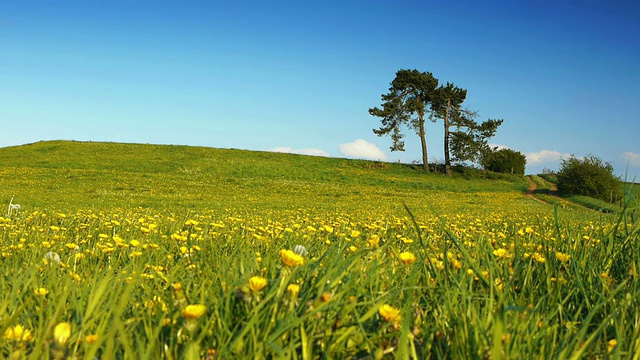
x,y
588,176
414,95
406,104
504,161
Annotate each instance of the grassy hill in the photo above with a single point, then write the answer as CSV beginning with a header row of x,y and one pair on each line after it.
x,y
174,252
69,174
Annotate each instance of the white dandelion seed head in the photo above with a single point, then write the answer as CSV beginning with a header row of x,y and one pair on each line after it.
x,y
53,257
300,250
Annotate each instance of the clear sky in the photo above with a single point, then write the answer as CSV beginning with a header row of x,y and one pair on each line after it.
x,y
299,76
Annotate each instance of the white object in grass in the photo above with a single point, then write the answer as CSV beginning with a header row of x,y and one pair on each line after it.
x,y
13,207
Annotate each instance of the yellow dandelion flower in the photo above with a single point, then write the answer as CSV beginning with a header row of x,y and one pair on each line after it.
x,y
501,253
374,241
257,283
62,332
538,257
407,258
389,313
18,333
191,222
293,289
611,344
194,311
562,257
406,240
91,339
41,291
290,258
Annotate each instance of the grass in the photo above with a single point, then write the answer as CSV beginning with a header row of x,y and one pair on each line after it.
x,y
399,264
595,204
105,175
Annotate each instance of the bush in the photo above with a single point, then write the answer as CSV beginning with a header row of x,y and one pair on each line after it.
x,y
588,177
504,161
550,177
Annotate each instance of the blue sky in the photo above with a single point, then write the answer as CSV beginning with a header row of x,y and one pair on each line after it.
x,y
299,76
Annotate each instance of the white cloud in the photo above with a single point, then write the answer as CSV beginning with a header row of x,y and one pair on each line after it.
x,y
498,146
313,152
362,149
634,158
544,156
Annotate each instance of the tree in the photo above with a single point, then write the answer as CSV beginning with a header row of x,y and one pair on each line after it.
x,y
589,177
504,161
406,104
469,140
446,106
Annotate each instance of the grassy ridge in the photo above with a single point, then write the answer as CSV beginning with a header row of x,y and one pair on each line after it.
x,y
180,177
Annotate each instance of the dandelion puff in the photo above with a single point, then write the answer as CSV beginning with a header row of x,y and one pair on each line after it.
x,y
53,257
300,250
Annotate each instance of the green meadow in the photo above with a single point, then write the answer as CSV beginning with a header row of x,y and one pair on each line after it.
x,y
136,251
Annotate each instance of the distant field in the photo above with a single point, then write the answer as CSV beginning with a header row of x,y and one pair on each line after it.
x,y
111,175
171,252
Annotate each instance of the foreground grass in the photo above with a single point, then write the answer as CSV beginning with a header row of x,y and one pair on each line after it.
x,y
473,270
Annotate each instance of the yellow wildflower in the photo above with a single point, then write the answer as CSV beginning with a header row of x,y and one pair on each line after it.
x,y
562,257
41,291
62,332
18,333
91,339
257,283
194,311
389,313
501,253
191,222
374,241
290,258
293,289
407,257
538,257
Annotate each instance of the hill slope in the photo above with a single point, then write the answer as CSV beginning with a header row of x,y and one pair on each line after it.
x,y
69,174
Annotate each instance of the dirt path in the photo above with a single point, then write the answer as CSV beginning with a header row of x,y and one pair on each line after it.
x,y
553,191
531,190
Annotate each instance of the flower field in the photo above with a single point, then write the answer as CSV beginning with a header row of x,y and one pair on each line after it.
x,y
312,266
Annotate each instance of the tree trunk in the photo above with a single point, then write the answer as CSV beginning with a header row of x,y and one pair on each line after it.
x,y
447,160
423,140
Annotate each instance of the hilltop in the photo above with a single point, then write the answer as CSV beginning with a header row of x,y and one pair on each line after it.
x,y
98,174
